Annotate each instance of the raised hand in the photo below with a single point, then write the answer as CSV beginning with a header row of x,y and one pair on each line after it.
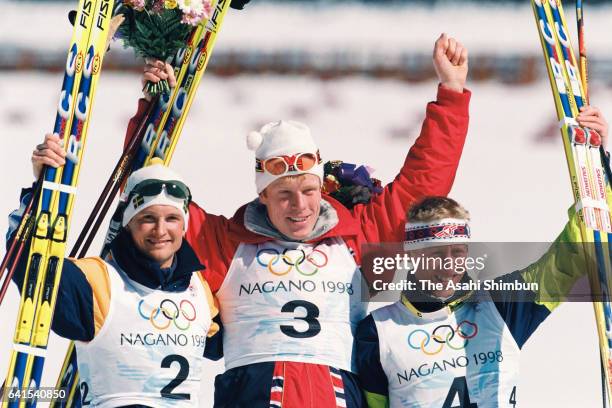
x,y
50,153
155,71
450,60
591,117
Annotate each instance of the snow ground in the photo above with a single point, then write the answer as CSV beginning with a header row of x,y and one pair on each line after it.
x,y
515,186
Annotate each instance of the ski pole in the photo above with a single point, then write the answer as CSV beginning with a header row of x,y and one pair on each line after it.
x,y
23,234
121,168
582,49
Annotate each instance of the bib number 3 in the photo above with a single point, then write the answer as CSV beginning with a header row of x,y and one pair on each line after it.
x,y
312,313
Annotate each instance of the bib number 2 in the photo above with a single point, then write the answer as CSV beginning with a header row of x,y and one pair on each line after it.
x,y
182,375
165,392
312,313
84,394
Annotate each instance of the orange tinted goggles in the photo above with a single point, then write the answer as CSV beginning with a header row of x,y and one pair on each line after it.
x,y
280,165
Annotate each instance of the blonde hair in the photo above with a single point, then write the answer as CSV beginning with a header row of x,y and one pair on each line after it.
x,y
291,177
436,208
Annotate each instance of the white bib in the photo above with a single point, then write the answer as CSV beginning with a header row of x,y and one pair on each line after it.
x,y
149,350
445,360
287,301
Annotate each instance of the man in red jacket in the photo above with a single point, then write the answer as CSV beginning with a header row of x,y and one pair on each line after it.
x,y
285,267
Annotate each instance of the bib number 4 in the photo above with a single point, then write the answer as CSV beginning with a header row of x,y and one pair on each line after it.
x,y
459,392
312,313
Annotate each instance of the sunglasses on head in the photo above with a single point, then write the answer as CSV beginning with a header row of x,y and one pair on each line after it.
x,y
279,165
153,187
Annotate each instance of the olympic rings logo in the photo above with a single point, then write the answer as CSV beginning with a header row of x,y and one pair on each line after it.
x,y
281,264
170,313
443,334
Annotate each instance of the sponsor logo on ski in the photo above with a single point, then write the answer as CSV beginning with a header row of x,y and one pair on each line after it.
x,y
194,62
585,181
104,8
202,60
218,10
79,62
97,64
187,56
600,184
85,12
188,83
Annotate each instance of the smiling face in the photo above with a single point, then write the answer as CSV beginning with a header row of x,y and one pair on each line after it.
x,y
433,270
157,232
293,204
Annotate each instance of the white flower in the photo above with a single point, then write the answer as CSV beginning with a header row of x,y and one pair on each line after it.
x,y
191,6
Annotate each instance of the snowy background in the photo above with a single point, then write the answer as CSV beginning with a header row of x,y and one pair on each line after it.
x,y
512,177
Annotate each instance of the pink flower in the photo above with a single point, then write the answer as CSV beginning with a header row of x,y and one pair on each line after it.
x,y
208,9
194,11
192,17
158,6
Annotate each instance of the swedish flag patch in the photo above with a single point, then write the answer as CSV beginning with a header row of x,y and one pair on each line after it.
x,y
137,201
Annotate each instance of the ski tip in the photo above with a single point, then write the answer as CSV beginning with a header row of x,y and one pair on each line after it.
x,y
72,16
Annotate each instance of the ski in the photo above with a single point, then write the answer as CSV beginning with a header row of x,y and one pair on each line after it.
x,y
52,222
171,132
582,49
69,381
166,103
582,149
593,141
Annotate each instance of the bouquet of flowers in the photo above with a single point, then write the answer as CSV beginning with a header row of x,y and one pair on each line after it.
x,y
350,184
159,28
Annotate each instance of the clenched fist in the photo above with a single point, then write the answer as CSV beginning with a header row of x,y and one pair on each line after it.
x,y
156,70
591,117
450,60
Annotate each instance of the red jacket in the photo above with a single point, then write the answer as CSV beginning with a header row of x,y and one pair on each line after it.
x,y
429,169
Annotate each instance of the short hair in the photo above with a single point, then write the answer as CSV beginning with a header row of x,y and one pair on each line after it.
x,y
436,208
292,177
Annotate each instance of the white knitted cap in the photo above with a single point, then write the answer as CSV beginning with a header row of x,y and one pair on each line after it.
x,y
282,138
138,203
